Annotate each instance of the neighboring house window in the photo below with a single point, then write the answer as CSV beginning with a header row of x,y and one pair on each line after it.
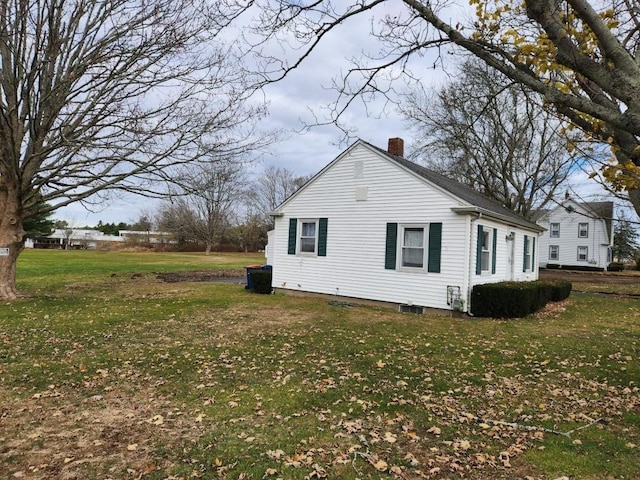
x,y
583,230
554,252
412,247
554,230
308,236
417,245
583,254
486,250
529,253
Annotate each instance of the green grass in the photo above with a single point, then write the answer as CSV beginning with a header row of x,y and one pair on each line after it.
x,y
108,372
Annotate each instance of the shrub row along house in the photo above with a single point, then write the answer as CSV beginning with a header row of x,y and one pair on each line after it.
x,y
372,225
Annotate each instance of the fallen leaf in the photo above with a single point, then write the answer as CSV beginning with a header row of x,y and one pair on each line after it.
x,y
132,446
380,465
380,364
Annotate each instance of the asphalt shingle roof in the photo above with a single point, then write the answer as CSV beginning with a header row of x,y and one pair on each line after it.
x,y
460,190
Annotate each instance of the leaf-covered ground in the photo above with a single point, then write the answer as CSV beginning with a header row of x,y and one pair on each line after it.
x,y
137,378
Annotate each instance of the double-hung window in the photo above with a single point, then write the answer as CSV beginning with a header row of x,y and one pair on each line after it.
x,y
583,254
583,230
413,247
554,252
554,230
308,236
485,261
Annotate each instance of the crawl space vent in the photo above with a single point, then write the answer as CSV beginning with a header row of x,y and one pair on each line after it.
x,y
411,309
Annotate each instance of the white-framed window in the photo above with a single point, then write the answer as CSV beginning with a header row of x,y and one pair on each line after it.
x,y
583,230
529,245
583,254
308,242
413,246
554,230
554,252
485,259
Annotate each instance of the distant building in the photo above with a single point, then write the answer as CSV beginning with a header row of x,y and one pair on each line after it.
x,y
579,234
82,238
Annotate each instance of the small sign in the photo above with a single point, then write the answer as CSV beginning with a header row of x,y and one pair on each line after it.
x,y
4,252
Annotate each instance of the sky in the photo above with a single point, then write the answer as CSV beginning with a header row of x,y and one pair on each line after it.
x,y
296,101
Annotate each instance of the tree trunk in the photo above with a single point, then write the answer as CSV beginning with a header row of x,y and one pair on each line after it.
x,y
634,196
11,244
208,249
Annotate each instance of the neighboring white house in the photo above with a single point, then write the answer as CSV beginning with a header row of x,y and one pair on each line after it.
x,y
373,225
578,234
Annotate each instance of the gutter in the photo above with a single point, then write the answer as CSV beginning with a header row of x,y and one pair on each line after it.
x,y
497,216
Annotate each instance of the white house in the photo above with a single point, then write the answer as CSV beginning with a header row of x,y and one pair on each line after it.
x,y
373,225
578,234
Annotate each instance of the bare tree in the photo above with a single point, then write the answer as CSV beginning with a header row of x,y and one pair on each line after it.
x,y
272,187
207,201
581,56
493,135
105,95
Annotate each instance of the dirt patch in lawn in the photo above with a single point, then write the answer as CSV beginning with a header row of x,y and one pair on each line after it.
x,y
203,276
619,278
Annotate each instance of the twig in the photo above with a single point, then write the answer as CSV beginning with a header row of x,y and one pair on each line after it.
x,y
530,427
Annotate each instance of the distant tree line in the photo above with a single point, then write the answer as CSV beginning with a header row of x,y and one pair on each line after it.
x,y
213,208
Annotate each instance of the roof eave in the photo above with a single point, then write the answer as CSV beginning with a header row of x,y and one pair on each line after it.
x,y
470,209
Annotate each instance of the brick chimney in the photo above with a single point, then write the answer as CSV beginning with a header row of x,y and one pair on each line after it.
x,y
396,147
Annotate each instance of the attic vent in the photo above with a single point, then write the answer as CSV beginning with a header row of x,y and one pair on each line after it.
x,y
411,309
358,169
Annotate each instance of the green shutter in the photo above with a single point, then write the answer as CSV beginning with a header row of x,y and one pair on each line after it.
x,y
493,250
293,226
435,247
479,251
533,253
524,257
322,237
391,246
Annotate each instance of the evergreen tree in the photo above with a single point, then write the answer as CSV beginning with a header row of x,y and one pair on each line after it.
x,y
625,240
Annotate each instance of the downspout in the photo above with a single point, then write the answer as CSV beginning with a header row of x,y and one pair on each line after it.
x,y
471,259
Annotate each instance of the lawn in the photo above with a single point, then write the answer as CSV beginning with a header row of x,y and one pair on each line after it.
x,y
107,371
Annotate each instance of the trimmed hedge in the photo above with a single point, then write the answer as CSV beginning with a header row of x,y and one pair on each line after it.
x,y
261,281
615,267
516,299
579,268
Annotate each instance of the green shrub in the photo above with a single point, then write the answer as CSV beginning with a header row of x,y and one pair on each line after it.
x,y
560,289
516,299
261,281
615,267
504,299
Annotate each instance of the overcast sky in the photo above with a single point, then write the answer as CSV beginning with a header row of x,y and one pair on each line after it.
x,y
293,103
